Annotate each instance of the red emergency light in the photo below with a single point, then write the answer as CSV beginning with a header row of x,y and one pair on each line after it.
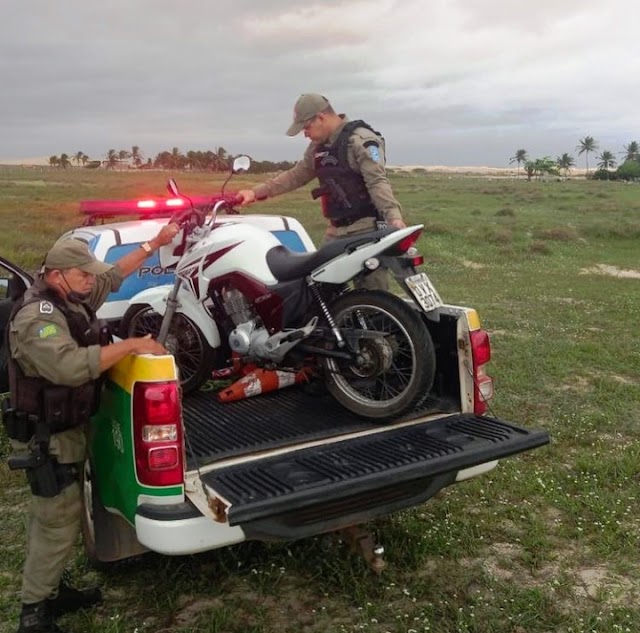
x,y
144,208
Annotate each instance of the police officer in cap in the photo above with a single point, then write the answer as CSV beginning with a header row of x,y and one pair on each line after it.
x,y
348,158
58,352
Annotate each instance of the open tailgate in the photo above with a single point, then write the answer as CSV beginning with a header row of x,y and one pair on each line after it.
x,y
361,477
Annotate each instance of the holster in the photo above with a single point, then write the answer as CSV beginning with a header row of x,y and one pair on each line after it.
x,y
46,477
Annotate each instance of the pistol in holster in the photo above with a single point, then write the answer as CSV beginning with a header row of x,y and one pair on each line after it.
x,y
46,477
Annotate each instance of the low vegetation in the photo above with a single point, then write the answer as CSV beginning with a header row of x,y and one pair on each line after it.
x,y
547,542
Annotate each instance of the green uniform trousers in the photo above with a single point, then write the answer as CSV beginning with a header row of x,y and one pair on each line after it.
x,y
52,534
378,279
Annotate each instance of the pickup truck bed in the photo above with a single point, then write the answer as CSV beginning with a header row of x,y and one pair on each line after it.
x,y
216,430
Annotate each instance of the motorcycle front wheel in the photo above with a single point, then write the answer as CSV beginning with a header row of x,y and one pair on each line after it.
x,y
194,356
395,365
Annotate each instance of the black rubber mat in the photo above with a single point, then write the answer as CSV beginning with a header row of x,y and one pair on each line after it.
x,y
217,430
315,475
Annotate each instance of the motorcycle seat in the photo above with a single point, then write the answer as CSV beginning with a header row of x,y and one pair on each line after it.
x,y
285,265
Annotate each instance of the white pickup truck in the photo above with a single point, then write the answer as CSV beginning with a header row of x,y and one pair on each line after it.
x,y
279,466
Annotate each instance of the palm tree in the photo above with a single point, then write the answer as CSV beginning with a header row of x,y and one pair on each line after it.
x,y
520,157
632,151
606,161
123,154
77,159
565,162
112,158
177,159
586,145
136,156
64,161
54,161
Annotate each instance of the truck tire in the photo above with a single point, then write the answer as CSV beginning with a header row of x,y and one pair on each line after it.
x,y
107,537
396,370
194,356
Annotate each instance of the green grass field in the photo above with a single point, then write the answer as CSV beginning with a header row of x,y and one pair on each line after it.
x,y
548,542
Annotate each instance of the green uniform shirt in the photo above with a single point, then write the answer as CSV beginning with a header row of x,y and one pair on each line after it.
x,y
41,343
360,160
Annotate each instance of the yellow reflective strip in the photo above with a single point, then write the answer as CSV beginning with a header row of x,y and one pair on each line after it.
x,y
473,320
134,368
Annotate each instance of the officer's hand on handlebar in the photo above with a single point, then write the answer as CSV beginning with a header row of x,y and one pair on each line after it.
x,y
166,234
246,197
181,217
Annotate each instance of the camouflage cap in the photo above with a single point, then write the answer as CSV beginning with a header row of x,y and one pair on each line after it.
x,y
71,253
307,106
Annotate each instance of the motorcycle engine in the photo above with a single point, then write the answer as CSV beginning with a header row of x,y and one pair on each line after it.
x,y
247,337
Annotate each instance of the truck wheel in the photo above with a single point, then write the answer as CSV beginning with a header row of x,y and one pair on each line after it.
x,y
194,356
395,370
107,537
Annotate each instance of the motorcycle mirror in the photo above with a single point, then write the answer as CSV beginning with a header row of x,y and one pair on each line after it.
x,y
172,187
241,163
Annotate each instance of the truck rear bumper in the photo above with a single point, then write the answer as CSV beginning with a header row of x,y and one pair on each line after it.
x,y
181,529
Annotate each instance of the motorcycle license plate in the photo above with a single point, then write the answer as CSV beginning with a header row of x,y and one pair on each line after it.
x,y
423,291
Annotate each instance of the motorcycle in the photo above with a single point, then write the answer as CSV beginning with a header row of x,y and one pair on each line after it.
x,y
240,294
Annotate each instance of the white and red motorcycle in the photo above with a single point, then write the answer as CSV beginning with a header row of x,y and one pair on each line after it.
x,y
240,292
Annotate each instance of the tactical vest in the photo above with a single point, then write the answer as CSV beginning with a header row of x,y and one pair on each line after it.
x,y
61,407
345,197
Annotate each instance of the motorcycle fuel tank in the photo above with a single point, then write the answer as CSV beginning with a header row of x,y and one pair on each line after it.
x,y
230,248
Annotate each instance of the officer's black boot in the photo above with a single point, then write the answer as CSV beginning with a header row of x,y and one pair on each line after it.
x,y
69,599
36,618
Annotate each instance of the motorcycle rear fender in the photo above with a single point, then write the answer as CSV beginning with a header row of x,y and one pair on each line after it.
x,y
346,266
157,298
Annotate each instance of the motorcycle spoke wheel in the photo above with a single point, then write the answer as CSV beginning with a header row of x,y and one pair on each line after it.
x,y
395,369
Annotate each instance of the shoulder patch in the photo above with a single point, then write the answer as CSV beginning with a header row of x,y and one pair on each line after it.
x,y
46,307
47,331
374,150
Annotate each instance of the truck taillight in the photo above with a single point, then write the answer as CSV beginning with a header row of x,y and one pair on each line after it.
x,y
482,383
158,437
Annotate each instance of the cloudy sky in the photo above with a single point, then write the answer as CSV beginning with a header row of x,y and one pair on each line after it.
x,y
448,82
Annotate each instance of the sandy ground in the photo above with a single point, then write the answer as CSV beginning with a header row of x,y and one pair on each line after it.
x,y
471,170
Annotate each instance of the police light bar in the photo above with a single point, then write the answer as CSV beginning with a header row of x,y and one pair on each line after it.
x,y
145,208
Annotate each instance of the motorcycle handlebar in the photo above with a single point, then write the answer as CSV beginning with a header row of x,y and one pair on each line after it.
x,y
198,210
183,216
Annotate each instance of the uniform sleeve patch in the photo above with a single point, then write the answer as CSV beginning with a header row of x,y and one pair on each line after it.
x,y
46,307
47,331
374,150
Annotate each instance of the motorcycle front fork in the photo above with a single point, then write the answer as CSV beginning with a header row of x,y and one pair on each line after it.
x,y
172,304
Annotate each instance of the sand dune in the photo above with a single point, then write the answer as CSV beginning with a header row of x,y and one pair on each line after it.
x,y
478,170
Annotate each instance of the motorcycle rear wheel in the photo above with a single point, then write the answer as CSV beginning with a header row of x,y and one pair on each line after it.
x,y
396,370
194,356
